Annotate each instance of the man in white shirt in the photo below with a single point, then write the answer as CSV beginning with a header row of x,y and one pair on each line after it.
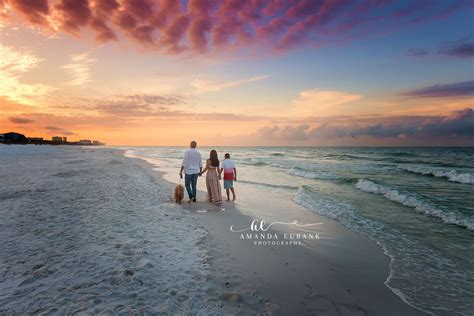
x,y
192,166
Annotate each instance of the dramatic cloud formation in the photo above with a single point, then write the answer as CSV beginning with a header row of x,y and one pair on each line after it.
x,y
459,123
204,25
459,89
20,120
463,48
79,69
207,86
13,65
417,52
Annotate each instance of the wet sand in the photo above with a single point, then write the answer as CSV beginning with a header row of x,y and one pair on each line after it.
x,y
341,273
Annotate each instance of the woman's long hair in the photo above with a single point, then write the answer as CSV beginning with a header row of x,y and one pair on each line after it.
x,y
214,159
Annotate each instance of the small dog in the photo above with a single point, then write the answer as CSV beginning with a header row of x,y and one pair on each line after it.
x,y
178,194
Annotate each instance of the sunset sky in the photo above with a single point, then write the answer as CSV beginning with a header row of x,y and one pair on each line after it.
x,y
163,72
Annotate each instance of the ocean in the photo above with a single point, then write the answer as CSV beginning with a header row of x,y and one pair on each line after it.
x,y
417,204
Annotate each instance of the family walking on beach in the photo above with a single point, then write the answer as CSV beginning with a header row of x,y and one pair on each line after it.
x,y
192,167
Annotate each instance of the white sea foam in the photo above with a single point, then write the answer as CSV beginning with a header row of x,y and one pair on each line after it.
x,y
334,209
415,202
312,175
451,175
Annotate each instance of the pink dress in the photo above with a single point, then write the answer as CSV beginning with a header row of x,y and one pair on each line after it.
x,y
213,186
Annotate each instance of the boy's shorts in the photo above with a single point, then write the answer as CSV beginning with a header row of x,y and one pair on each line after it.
x,y
228,184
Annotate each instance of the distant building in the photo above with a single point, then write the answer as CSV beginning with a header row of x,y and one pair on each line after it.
x,y
17,138
13,137
85,142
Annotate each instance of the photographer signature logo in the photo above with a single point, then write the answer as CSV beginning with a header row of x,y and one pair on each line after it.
x,y
259,233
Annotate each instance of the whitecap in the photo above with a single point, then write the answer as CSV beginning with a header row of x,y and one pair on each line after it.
x,y
451,175
415,202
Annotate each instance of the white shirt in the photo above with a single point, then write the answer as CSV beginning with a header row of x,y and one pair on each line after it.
x,y
192,161
228,166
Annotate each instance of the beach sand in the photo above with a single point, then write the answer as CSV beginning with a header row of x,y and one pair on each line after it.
x,y
341,273
91,231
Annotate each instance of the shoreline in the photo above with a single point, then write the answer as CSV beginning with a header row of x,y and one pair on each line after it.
x,y
360,266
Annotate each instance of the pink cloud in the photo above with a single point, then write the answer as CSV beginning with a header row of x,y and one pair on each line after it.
x,y
126,21
201,7
106,7
173,34
140,9
201,23
33,11
75,14
303,8
198,31
166,11
200,26
103,33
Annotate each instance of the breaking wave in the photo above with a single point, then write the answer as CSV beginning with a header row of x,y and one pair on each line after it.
x,y
415,202
451,175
